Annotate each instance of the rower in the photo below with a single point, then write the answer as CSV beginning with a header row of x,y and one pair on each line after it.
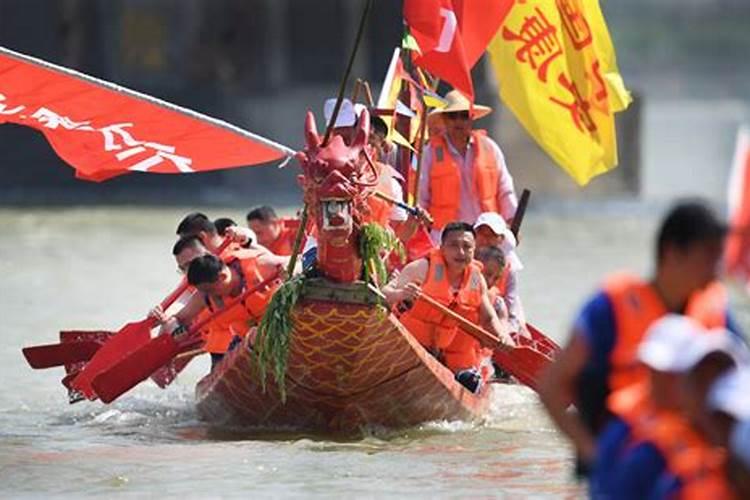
x,y
222,223
601,354
493,231
219,282
271,230
451,276
495,272
198,224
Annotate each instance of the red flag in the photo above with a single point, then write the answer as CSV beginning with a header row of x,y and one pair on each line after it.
x,y
434,25
737,250
453,34
103,130
478,21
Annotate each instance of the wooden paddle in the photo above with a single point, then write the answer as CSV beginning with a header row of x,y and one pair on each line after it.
x,y
128,339
411,210
515,225
50,355
67,353
129,371
524,363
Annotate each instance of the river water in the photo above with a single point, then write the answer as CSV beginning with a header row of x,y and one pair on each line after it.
x,y
89,268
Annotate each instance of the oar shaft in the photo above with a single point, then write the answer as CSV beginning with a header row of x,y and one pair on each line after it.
x,y
483,336
412,210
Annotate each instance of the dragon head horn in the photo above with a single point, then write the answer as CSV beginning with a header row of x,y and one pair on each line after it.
x,y
311,131
363,130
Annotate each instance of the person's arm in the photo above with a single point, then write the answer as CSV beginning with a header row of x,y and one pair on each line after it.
x,y
406,286
557,391
513,303
489,321
184,316
269,263
506,193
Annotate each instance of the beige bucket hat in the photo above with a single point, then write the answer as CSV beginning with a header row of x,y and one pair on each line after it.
x,y
458,102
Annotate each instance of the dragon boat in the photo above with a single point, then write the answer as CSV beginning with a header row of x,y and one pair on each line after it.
x,y
348,362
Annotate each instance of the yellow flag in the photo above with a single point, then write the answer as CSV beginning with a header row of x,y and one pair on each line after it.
x,y
556,68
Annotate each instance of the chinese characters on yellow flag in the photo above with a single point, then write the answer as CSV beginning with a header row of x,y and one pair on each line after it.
x,y
556,68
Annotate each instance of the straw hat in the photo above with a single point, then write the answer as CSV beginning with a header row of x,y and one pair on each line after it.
x,y
458,102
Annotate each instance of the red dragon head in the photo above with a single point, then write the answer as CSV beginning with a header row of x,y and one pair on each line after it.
x,y
334,181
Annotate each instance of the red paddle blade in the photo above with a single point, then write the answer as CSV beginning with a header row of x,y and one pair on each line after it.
x,y
49,355
541,339
523,363
166,375
128,339
135,368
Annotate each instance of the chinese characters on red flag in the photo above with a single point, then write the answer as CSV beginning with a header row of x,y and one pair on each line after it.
x,y
102,130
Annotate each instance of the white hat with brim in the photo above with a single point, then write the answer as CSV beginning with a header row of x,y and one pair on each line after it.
x,y
731,394
458,102
497,224
666,341
347,116
709,342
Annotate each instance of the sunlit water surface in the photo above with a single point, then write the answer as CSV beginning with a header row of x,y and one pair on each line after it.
x,y
100,268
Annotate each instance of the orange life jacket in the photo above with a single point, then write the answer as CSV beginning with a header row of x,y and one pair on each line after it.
x,y
636,305
688,456
445,179
430,327
284,244
238,320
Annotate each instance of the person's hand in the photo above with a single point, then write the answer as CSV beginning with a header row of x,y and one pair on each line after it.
x,y
410,292
506,342
170,326
423,216
239,234
158,314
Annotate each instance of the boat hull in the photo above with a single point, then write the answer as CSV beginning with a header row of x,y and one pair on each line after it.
x,y
351,365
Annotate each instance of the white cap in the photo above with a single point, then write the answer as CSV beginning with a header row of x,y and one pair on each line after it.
x,y
497,224
708,342
731,394
739,441
348,113
666,342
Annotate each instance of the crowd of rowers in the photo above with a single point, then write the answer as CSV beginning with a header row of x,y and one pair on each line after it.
x,y
658,373
465,259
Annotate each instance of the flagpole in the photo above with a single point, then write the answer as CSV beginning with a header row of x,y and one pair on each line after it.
x,y
345,79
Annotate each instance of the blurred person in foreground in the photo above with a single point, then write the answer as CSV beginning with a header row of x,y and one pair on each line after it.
x,y
656,444
600,356
738,468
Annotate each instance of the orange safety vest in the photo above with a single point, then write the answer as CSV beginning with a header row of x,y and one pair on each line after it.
x,y
430,327
238,320
687,455
636,305
284,244
445,179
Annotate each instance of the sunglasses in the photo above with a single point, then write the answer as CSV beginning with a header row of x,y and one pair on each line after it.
x,y
457,115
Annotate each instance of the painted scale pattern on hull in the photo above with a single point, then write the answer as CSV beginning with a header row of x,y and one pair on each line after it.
x,y
349,366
